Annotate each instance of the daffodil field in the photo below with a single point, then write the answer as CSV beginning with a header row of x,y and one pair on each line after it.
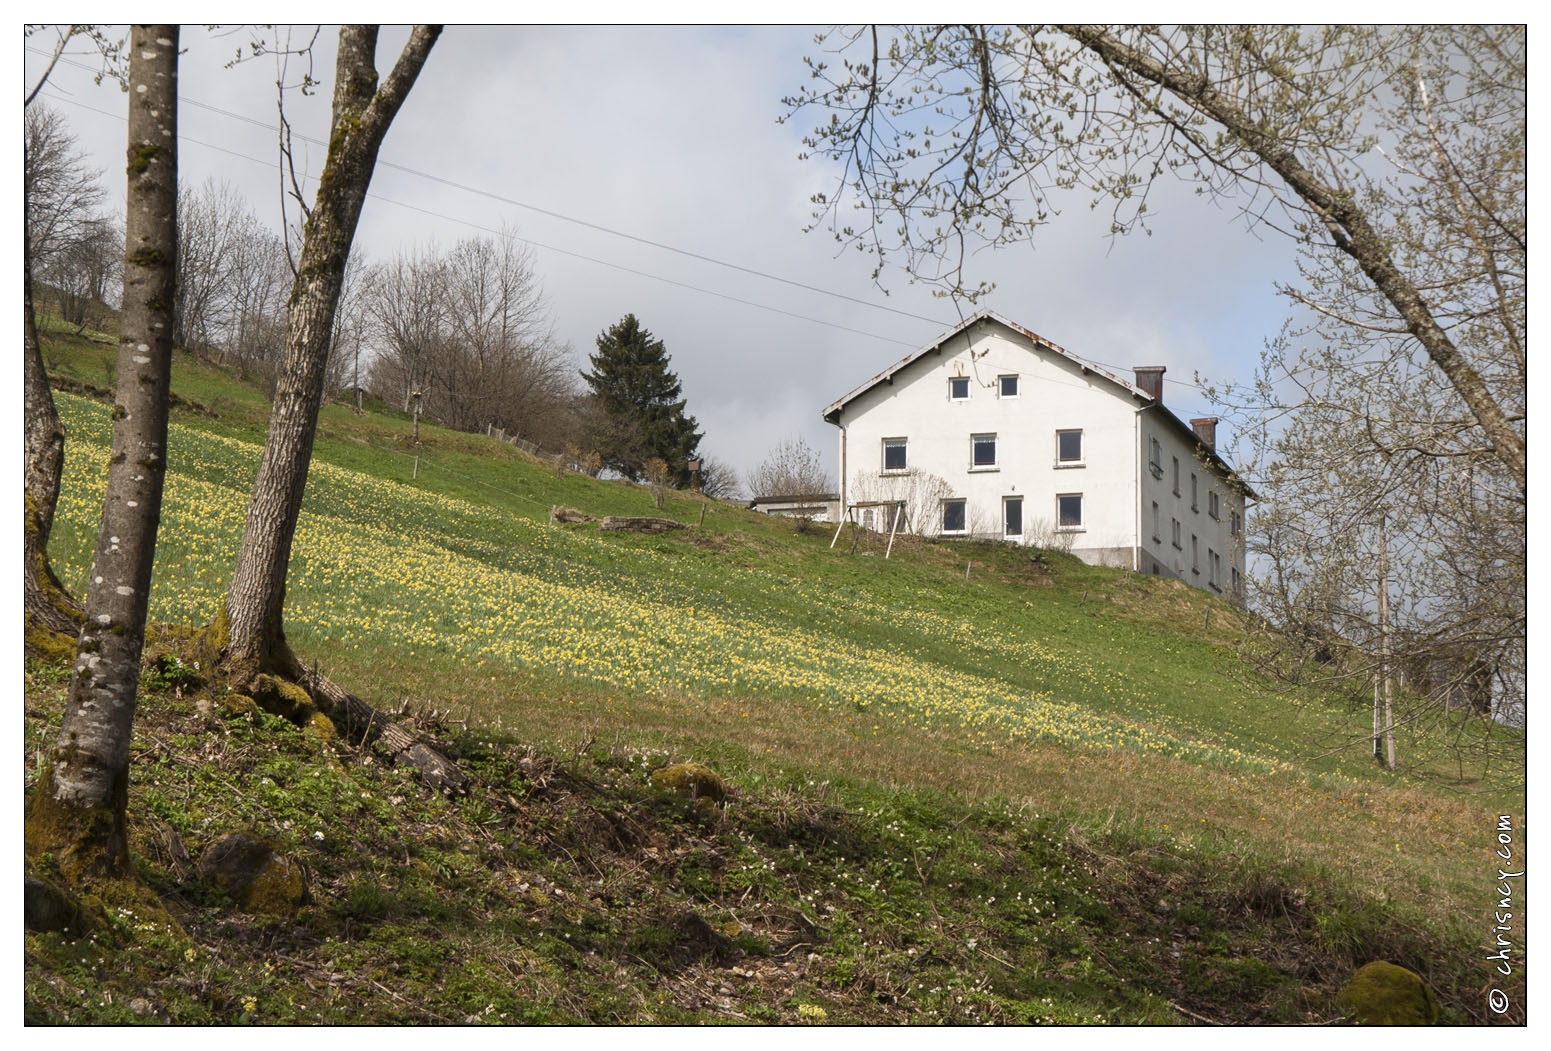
x,y
389,563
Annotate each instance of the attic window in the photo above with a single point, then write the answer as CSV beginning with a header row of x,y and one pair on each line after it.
x,y
958,388
1007,386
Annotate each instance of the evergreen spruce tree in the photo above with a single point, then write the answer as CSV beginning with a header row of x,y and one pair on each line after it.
x,y
642,415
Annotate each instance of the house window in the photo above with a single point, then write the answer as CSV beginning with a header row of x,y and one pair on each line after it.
x,y
1214,569
1195,554
982,451
1069,511
1238,582
1012,516
1233,523
894,454
1157,537
958,388
1174,526
1007,386
1214,505
953,516
1194,502
1176,476
1069,448
1155,458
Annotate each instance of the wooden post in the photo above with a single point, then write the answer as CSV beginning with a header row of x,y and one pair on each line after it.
x,y
966,569
893,528
416,472
702,516
552,514
838,528
1389,714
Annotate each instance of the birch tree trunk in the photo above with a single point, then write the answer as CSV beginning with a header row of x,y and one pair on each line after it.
x,y
77,811
253,637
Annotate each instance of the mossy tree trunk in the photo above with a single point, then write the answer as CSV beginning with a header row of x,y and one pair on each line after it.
x,y
47,605
77,809
362,113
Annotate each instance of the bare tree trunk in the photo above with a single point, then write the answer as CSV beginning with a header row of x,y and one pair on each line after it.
x,y
47,604
362,113
77,811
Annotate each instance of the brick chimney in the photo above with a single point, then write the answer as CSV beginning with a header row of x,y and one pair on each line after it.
x,y
1206,432
1150,379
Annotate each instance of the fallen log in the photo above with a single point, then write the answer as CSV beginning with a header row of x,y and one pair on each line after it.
x,y
363,724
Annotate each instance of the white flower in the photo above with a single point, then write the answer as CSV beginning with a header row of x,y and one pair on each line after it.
x,y
317,835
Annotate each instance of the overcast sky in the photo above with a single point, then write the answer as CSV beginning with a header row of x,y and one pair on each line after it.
x,y
670,135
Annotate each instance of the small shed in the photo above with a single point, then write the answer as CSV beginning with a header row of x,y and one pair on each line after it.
x,y
816,507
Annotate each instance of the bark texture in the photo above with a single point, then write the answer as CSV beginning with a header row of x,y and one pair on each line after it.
x,y
362,113
47,604
78,808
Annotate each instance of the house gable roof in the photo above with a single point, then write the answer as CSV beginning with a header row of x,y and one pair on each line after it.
x,y
833,410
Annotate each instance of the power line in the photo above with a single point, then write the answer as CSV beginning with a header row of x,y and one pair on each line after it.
x,y
540,244
256,122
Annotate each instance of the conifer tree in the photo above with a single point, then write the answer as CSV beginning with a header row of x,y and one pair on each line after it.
x,y
641,408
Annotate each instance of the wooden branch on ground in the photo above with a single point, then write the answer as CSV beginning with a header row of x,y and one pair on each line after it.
x,y
363,724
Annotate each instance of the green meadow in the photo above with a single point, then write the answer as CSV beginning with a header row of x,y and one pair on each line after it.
x,y
1107,719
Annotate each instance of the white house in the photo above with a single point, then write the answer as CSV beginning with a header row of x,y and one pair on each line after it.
x,y
994,431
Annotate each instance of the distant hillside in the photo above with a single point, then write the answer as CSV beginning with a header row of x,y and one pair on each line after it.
x,y
1004,717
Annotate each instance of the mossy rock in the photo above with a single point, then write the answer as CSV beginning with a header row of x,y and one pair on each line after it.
x,y
48,908
320,728
692,780
254,874
285,699
1383,993
240,704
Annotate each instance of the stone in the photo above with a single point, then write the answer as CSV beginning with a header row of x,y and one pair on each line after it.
x,y
254,874
1383,993
47,908
693,780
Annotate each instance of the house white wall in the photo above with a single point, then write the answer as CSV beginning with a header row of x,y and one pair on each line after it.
x,y
1200,534
1055,394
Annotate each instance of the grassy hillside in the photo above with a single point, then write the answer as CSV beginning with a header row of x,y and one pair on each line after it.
x,y
1046,730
